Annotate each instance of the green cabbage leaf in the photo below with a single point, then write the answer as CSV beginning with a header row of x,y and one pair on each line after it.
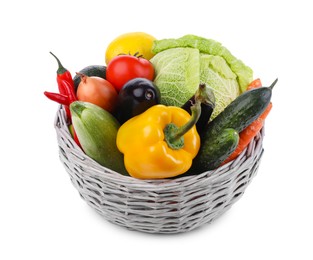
x,y
177,74
182,64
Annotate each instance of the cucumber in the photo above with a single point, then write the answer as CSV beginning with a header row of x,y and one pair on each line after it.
x,y
96,130
92,70
241,112
215,151
217,138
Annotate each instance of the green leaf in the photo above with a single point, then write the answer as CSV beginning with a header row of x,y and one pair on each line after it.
x,y
177,74
208,46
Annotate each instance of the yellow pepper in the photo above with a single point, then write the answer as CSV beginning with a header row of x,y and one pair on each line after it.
x,y
160,143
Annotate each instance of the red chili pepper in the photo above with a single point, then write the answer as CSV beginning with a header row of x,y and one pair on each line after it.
x,y
65,84
63,75
71,96
65,81
74,135
59,98
69,90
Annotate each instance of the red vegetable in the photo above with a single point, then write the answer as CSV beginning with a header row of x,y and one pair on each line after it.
x,y
68,87
59,98
255,84
74,135
67,93
123,68
63,75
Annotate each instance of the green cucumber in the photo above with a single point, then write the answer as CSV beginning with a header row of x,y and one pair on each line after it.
x,y
241,112
96,130
215,151
217,138
92,70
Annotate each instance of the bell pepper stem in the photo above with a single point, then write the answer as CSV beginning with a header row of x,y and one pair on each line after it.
x,y
174,135
195,114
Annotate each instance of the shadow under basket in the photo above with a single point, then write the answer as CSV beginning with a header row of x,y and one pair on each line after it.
x,y
157,206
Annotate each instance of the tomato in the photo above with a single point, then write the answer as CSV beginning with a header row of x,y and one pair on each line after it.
x,y
123,68
97,91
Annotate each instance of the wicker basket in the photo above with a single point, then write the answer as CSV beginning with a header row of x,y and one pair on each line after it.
x,y
157,206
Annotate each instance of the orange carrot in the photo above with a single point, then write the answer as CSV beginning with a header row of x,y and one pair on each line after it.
x,y
255,84
246,135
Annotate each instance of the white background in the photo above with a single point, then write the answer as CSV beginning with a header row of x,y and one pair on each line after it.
x,y
42,215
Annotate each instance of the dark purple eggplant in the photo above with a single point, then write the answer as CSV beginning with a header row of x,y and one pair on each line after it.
x,y
136,96
207,98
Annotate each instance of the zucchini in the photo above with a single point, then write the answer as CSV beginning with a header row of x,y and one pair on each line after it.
x,y
96,130
92,70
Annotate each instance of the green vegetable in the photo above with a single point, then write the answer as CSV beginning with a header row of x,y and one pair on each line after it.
x,y
92,70
241,112
214,151
220,138
220,79
177,74
182,64
96,130
209,46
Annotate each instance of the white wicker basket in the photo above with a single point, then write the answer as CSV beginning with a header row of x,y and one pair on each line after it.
x,y
157,206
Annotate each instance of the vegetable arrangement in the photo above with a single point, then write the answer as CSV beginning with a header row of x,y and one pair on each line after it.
x,y
163,108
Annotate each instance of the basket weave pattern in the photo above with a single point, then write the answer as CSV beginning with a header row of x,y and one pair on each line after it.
x,y
157,206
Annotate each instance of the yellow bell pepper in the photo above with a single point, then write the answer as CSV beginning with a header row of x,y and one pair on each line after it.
x,y
159,143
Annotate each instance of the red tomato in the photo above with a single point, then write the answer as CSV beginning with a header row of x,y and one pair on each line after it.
x,y
97,91
123,68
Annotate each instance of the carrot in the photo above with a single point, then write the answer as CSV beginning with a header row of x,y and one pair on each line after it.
x,y
246,135
255,84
